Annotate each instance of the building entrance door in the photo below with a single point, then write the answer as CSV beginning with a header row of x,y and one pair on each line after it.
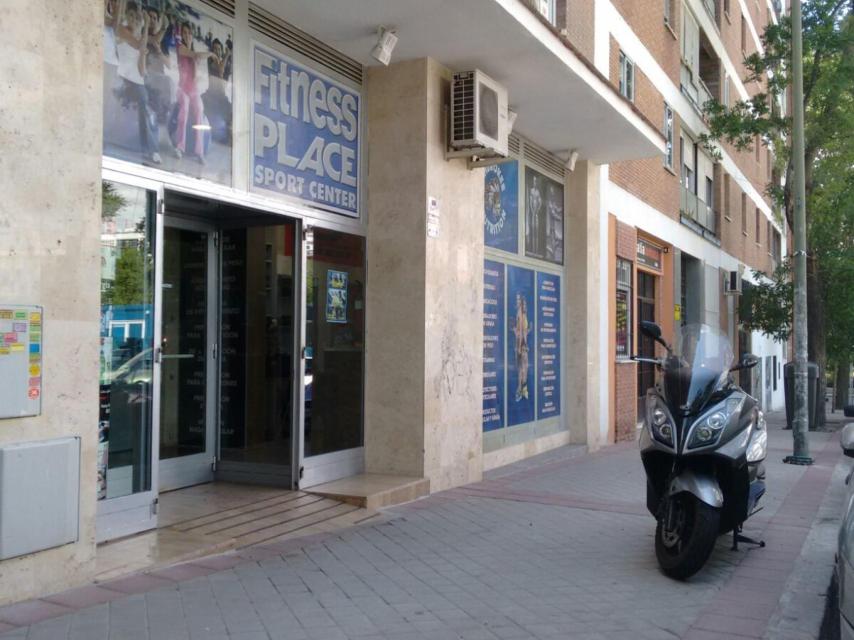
x,y
646,345
187,354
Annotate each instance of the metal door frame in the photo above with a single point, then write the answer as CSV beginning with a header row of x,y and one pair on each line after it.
x,y
125,515
326,467
198,468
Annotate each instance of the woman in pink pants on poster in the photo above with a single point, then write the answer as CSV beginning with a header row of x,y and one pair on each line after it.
x,y
189,101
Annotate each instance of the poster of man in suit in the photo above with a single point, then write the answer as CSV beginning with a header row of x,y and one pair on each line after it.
x,y
543,217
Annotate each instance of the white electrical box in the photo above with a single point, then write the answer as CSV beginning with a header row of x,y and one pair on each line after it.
x,y
20,360
39,495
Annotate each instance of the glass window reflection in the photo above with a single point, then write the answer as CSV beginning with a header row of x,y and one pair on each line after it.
x,y
126,340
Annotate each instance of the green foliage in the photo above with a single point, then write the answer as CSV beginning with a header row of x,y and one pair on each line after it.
x,y
767,306
129,285
828,57
111,200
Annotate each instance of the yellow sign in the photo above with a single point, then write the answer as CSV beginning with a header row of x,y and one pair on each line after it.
x,y
17,347
35,370
677,312
4,350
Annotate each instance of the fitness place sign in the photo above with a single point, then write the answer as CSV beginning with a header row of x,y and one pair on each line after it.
x,y
305,134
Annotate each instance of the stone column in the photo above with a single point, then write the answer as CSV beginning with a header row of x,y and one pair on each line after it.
x,y
425,294
585,319
50,170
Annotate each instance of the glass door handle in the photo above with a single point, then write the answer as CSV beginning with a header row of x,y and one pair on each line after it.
x,y
177,356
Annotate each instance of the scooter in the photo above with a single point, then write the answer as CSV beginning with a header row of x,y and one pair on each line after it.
x,y
702,445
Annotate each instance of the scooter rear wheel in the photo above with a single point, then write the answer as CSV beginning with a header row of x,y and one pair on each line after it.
x,y
683,549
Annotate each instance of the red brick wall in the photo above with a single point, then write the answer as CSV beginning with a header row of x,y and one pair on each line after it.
x,y
648,179
576,17
647,21
733,240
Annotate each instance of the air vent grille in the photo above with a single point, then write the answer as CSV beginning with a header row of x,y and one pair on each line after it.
x,y
284,33
226,6
514,144
545,160
462,102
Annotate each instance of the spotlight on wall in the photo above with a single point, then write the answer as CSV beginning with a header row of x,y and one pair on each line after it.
x,y
570,162
386,41
511,119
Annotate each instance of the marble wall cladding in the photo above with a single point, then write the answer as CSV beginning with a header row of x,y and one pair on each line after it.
x,y
584,367
424,362
394,398
454,311
50,131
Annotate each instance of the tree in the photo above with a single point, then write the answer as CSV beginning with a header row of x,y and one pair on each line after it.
x,y
129,284
828,48
111,200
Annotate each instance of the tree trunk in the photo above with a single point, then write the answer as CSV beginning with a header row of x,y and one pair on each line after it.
x,y
840,386
816,336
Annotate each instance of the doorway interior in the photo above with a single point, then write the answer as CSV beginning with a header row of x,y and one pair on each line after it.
x,y
232,351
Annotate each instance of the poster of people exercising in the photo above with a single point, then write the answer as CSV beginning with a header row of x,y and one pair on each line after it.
x,y
168,87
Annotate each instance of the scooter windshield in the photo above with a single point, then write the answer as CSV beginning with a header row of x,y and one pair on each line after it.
x,y
701,360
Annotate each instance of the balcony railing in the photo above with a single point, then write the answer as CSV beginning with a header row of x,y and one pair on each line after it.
x,y
695,209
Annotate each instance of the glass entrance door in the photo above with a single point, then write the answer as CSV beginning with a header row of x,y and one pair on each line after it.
x,y
646,345
131,233
187,354
333,356
257,365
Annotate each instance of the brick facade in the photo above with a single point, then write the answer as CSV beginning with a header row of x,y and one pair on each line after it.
x,y
649,179
576,18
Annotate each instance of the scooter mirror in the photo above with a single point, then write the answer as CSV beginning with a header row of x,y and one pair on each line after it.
x,y
650,329
747,361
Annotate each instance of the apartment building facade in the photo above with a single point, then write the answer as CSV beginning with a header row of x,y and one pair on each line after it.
x,y
250,255
686,231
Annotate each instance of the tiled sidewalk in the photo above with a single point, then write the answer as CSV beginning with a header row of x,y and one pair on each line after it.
x,y
563,549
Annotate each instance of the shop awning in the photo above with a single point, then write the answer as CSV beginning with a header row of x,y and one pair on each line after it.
x,y
561,101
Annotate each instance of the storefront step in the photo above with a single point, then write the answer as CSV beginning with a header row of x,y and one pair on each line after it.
x,y
373,490
208,519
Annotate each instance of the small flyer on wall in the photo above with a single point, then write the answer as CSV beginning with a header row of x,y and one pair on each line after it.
x,y
336,296
493,345
520,336
501,206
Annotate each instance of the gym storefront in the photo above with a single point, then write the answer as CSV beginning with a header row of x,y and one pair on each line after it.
x,y
233,278
256,262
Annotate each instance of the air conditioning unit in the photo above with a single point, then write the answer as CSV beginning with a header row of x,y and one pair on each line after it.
x,y
479,116
732,284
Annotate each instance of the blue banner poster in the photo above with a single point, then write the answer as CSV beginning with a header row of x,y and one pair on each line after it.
x,y
305,134
501,206
493,345
520,340
548,345
336,296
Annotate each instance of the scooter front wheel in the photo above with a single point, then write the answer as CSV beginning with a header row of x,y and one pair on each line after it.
x,y
685,535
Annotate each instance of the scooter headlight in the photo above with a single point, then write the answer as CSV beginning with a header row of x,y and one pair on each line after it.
x,y
659,421
708,429
716,421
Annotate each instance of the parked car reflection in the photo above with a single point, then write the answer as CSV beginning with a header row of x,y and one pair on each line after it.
x,y
845,552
